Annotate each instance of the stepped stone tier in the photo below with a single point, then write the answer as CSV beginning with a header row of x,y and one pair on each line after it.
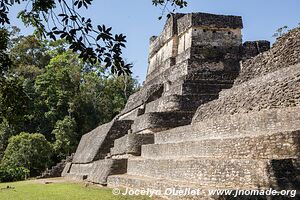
x,y
213,113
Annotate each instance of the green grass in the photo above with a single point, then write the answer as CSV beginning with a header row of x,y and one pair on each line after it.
x,y
34,190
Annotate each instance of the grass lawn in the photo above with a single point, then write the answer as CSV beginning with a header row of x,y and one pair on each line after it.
x,y
58,189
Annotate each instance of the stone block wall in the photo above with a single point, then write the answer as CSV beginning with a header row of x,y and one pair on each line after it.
x,y
251,49
275,90
285,52
204,39
251,146
96,144
234,126
217,173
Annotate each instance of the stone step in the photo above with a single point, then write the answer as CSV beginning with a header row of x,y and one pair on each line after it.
x,y
78,171
97,171
212,76
238,125
175,190
178,103
140,97
195,88
101,169
159,187
186,87
131,144
220,173
66,169
76,177
277,145
157,121
131,115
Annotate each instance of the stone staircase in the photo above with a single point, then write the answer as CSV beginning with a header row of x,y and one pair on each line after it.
x,y
217,154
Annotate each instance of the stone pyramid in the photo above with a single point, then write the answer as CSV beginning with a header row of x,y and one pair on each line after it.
x,y
213,113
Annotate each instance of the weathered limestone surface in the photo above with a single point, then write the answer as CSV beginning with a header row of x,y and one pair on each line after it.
x,y
131,144
253,48
101,169
143,96
285,52
96,144
225,173
234,126
178,103
197,41
213,113
66,169
96,172
131,181
78,171
274,90
277,145
269,80
157,121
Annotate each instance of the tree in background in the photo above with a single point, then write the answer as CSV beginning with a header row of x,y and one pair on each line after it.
x,y
50,90
6,131
66,137
13,103
102,98
31,151
35,48
56,90
5,62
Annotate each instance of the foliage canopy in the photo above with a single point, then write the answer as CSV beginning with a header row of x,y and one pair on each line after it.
x,y
62,19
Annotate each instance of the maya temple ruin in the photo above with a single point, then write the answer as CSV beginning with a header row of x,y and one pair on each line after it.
x,y
213,112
